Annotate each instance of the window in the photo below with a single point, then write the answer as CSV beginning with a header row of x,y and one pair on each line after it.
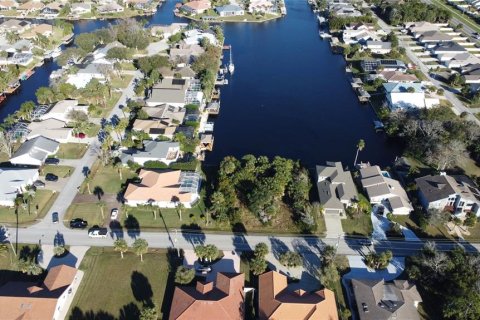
x,y
461,203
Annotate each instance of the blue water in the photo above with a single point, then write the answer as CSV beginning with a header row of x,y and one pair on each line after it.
x,y
289,95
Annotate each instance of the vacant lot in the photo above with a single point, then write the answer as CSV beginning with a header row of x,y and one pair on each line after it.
x,y
361,226
72,150
60,171
115,288
106,179
87,211
38,208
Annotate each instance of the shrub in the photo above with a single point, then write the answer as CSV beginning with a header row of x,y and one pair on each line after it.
x,y
155,165
291,259
184,275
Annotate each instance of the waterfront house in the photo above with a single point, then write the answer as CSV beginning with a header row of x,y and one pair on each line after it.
x,y
49,13
62,109
373,65
359,33
139,4
21,58
344,10
80,8
455,193
30,7
230,10
167,30
49,300
336,189
85,74
196,7
223,299
378,47
195,36
395,76
14,25
185,54
164,189
171,114
14,182
168,91
406,96
109,8
277,301
34,152
163,151
261,6
100,54
43,29
8,5
383,190
155,128
185,72
52,129
381,300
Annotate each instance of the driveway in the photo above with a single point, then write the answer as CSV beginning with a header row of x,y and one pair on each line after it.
x,y
47,260
56,186
333,224
381,225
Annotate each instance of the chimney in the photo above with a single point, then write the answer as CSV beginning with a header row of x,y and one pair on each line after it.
x,y
204,287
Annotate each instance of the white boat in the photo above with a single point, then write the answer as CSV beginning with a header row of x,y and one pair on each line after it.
x,y
56,53
231,66
324,35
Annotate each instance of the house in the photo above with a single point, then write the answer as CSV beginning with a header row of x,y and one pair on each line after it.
x,y
49,12
372,65
155,128
108,8
30,7
185,72
14,182
80,8
471,74
344,10
230,10
100,54
380,300
167,30
14,25
261,6
52,129
34,152
462,59
164,189
457,193
276,301
139,4
48,300
418,28
432,38
168,91
195,36
43,29
172,115
163,151
381,189
85,74
196,7
396,76
8,5
336,189
379,47
408,96
223,299
446,50
62,109
185,54
21,58
359,33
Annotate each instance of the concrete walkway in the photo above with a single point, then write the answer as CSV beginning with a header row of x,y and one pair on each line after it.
x,y
47,260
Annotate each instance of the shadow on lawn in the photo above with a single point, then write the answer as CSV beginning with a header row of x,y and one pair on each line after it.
x,y
141,289
174,262
127,312
132,226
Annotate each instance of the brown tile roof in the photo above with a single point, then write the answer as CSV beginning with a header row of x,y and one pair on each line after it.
x,y
25,300
277,302
198,5
222,301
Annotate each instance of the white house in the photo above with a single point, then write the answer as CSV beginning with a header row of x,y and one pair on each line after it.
x,y
85,75
167,30
261,6
379,47
62,109
52,129
194,36
163,151
407,96
81,8
14,181
34,152
230,10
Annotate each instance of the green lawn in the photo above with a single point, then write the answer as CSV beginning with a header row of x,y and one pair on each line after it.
x,y
88,211
127,66
474,233
117,288
429,232
111,102
107,178
92,130
39,207
118,82
72,150
361,226
8,270
60,171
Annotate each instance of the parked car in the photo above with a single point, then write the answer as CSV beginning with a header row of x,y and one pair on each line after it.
x,y
55,217
97,232
52,161
39,184
114,214
51,177
78,223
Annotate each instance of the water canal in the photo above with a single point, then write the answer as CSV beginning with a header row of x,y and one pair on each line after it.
x,y
289,95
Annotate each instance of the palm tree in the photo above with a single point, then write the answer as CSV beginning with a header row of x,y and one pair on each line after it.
x,y
360,147
118,165
88,179
28,196
150,203
121,246
149,313
140,247
101,205
180,207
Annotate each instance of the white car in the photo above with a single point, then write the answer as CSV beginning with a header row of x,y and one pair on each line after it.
x,y
97,232
114,214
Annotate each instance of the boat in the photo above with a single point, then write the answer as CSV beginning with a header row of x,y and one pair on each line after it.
x,y
27,74
378,125
231,66
56,53
324,35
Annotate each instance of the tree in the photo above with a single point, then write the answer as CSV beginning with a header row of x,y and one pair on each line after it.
x,y
184,275
120,245
29,267
140,247
180,206
149,313
25,111
328,254
119,53
261,250
290,259
101,205
258,265
58,250
45,95
329,276
360,147
6,143
86,41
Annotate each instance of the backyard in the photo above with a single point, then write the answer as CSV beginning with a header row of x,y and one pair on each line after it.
x,y
115,288
39,207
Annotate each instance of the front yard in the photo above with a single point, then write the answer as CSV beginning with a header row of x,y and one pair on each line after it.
x,y
360,226
72,150
90,212
60,171
39,207
115,288
106,178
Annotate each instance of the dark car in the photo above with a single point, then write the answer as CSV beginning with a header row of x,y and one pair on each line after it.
x,y
78,223
51,177
52,161
55,217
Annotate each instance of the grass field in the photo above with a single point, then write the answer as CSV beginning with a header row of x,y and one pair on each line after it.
x,y
38,209
361,226
88,211
115,288
118,82
72,150
107,178
60,171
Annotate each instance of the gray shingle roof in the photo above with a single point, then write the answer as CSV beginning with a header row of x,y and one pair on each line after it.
x,y
38,148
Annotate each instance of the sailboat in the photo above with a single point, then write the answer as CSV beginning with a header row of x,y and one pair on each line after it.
x,y
231,66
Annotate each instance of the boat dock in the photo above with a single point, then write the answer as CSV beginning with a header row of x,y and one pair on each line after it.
x,y
213,108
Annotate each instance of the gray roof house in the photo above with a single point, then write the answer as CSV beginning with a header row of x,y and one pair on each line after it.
x,y
168,91
433,37
449,47
166,112
380,300
34,151
457,193
14,182
164,151
336,189
230,10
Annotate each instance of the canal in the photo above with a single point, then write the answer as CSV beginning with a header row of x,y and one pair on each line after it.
x,y
289,95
